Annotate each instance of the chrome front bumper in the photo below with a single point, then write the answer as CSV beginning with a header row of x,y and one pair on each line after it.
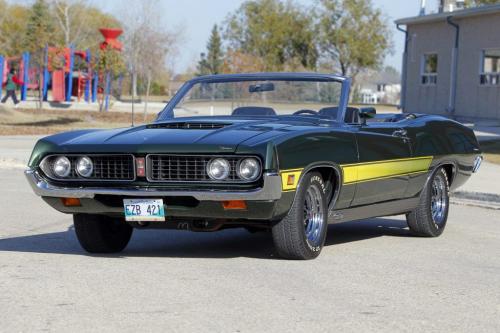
x,y
270,191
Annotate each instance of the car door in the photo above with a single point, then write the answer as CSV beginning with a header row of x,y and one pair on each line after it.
x,y
384,163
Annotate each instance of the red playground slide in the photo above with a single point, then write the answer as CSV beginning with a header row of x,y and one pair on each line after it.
x,y
58,84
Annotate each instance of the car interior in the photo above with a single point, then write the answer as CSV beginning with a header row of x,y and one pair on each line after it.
x,y
351,116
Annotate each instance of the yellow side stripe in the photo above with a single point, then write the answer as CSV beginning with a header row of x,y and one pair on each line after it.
x,y
387,177
361,172
368,171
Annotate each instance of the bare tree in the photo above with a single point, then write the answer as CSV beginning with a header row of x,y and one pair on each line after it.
x,y
70,16
147,44
160,45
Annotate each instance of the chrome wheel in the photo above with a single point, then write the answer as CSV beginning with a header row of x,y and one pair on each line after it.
x,y
439,201
314,219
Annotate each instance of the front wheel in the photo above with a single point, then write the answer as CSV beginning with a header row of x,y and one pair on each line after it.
x,y
101,234
302,233
429,218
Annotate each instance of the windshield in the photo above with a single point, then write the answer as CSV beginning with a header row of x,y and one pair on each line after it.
x,y
259,98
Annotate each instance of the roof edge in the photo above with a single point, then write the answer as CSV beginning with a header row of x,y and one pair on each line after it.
x,y
469,12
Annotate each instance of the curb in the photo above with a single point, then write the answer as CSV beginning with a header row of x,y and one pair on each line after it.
x,y
478,199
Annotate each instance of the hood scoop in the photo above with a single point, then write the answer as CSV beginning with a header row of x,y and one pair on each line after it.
x,y
189,125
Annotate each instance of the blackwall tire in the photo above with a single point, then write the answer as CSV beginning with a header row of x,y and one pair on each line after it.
x,y
430,217
302,233
101,234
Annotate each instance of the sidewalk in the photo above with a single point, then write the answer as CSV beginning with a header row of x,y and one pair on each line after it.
x,y
482,189
116,106
15,150
484,132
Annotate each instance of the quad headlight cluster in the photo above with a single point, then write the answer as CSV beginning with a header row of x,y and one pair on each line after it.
x,y
248,169
126,168
60,167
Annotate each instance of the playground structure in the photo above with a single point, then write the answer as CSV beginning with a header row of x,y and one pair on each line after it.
x,y
67,72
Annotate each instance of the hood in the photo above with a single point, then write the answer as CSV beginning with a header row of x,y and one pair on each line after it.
x,y
211,134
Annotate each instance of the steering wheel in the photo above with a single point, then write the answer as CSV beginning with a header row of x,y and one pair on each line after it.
x,y
305,111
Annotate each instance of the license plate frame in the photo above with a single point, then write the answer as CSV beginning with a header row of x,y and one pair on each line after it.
x,y
144,210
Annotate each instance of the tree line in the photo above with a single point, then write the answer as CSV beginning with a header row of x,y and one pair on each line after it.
x,y
147,43
342,36
59,23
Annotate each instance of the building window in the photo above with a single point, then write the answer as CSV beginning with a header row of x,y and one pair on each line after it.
x,y
429,69
490,67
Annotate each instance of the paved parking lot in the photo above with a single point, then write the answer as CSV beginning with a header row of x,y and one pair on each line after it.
x,y
371,276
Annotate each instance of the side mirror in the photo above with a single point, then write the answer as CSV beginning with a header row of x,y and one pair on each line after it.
x,y
366,113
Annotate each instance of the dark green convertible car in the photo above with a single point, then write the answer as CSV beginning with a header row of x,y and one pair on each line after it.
x,y
271,151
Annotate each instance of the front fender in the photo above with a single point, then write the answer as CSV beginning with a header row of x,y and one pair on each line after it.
x,y
315,151
50,144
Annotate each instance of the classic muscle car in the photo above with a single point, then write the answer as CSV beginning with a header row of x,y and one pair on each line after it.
x,y
281,152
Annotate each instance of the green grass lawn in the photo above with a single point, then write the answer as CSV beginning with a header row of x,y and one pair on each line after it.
x,y
491,151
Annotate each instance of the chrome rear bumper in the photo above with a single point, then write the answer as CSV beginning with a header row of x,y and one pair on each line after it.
x,y
271,190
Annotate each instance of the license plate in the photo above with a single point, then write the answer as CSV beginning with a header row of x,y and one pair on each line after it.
x,y
144,210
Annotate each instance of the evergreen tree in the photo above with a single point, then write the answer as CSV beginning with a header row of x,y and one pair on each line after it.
x,y
40,28
212,61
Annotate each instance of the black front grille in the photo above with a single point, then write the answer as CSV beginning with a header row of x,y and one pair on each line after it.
x,y
184,168
187,125
114,167
106,167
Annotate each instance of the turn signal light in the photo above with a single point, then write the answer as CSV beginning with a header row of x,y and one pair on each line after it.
x,y
71,202
234,204
290,180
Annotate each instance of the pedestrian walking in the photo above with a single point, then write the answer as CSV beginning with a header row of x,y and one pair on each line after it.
x,y
11,85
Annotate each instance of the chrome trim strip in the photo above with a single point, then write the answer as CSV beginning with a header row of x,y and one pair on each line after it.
x,y
271,190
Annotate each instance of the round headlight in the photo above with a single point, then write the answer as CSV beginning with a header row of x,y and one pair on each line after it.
x,y
84,166
61,167
249,169
218,169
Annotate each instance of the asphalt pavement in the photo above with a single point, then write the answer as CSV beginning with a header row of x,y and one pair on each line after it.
x,y
372,276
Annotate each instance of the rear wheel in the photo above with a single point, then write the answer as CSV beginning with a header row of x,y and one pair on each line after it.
x,y
101,234
302,233
429,218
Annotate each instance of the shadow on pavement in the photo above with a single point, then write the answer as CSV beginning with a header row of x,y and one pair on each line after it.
x,y
49,122
223,244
